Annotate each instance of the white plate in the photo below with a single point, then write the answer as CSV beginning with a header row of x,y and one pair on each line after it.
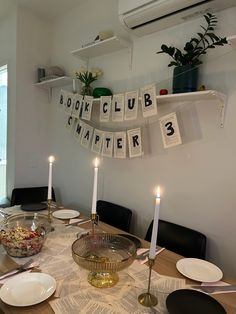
x,y
66,213
28,289
199,270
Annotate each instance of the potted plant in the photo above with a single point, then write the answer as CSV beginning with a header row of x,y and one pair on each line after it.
x,y
186,62
86,77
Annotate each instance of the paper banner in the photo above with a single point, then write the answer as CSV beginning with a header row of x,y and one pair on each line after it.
x,y
120,144
170,130
131,105
78,100
107,145
105,108
78,130
86,135
69,122
135,142
69,103
87,108
97,141
148,100
118,108
62,99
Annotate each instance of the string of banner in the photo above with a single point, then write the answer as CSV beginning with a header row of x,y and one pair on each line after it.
x,y
117,108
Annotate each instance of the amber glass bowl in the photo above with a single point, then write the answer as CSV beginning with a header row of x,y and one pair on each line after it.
x,y
104,255
23,235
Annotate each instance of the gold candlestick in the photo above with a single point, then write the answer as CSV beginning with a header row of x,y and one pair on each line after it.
x,y
94,220
148,299
49,203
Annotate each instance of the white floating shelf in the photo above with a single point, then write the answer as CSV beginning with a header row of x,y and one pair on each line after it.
x,y
59,81
102,47
206,95
232,40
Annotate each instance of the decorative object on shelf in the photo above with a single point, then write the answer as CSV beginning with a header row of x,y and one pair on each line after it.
x,y
103,255
101,91
86,77
163,91
41,74
186,62
51,72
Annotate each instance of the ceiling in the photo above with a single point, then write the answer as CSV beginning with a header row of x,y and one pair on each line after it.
x,y
48,9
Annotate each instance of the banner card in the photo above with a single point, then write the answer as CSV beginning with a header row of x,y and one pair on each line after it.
x,y
135,142
78,100
78,130
62,99
69,122
105,108
86,135
87,108
120,144
118,108
97,141
131,105
107,145
148,100
170,130
69,103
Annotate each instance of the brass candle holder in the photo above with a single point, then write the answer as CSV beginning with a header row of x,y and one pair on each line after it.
x,y
94,220
148,299
49,203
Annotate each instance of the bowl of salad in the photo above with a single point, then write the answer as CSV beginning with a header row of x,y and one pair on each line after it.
x,y
23,235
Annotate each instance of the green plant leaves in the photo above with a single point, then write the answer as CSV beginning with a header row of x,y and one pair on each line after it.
x,y
197,46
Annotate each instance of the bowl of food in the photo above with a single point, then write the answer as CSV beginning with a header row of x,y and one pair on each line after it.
x,y
23,235
104,255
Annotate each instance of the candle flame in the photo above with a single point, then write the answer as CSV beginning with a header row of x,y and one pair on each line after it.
x,y
158,192
96,162
51,159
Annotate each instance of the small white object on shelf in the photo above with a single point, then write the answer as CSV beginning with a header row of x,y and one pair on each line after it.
x,y
232,40
102,47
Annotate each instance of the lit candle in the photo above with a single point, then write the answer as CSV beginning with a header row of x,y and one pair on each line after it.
x,y
152,251
95,184
51,160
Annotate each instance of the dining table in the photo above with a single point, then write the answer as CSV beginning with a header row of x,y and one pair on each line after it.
x,y
165,265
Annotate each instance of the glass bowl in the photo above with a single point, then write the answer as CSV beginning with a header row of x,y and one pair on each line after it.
x,y
104,255
23,235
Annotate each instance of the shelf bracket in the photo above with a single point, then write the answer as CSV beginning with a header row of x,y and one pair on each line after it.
x,y
222,103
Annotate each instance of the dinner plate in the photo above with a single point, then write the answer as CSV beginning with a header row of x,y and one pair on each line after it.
x,y
34,207
186,301
27,289
136,241
66,213
199,270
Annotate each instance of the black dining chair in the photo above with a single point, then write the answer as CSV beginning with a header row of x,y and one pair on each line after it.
x,y
179,239
30,195
114,215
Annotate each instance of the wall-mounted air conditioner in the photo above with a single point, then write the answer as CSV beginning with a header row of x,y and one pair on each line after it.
x,y
147,16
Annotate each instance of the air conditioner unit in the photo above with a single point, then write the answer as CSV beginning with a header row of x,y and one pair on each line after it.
x,y
147,16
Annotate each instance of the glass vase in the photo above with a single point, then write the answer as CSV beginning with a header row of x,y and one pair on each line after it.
x,y
86,90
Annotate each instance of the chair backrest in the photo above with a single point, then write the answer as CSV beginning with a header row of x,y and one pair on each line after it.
x,y
114,215
30,195
179,239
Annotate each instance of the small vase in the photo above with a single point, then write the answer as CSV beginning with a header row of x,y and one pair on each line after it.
x,y
86,90
185,79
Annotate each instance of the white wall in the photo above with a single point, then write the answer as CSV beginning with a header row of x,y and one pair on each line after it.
x,y
8,56
198,177
32,121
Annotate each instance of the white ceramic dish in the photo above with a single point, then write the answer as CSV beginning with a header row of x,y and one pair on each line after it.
x,y
28,289
66,213
199,270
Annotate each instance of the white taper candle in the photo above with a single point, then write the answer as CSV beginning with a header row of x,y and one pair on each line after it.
x,y
51,160
95,184
152,251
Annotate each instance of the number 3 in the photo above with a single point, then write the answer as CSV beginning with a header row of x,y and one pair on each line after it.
x,y
169,128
